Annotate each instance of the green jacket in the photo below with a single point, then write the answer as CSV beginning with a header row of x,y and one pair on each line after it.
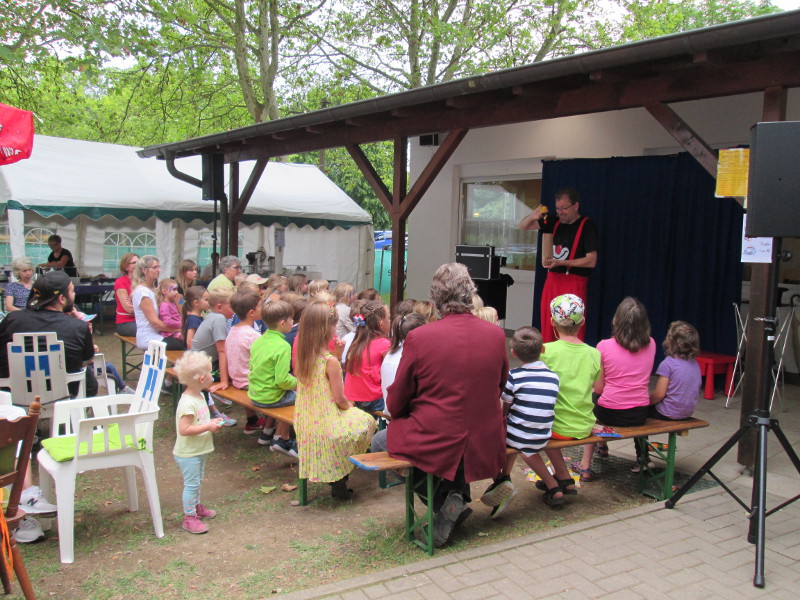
x,y
270,361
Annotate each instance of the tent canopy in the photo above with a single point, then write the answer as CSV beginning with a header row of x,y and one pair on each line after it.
x,y
72,177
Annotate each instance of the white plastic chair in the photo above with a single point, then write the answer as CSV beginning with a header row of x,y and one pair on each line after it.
x,y
90,421
37,367
101,373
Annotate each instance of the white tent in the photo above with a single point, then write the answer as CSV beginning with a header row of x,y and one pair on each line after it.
x,y
85,191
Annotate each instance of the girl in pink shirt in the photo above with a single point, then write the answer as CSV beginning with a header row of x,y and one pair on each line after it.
x,y
626,362
362,384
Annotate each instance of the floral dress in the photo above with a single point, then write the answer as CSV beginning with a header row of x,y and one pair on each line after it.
x,y
327,435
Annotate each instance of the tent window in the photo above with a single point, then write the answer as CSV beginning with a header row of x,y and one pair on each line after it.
x,y
117,244
36,247
205,245
5,246
491,209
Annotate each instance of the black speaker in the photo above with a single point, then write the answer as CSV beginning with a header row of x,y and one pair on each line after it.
x,y
773,202
213,177
429,139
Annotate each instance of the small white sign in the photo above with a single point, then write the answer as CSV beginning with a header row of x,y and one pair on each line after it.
x,y
755,249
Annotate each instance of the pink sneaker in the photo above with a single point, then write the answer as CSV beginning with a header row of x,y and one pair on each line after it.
x,y
205,513
193,524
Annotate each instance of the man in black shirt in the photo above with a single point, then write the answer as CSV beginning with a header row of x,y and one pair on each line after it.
x,y
51,296
569,252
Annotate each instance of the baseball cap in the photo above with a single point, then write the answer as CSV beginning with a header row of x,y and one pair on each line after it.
x,y
255,278
566,310
47,288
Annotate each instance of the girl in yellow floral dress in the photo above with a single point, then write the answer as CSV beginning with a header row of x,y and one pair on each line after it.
x,y
329,429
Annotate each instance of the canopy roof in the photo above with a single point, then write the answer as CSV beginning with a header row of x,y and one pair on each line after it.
x,y
73,177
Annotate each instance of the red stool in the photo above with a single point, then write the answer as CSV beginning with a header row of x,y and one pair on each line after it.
x,y
712,363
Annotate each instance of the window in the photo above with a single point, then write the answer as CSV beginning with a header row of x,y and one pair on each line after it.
x,y
117,244
205,245
491,212
5,246
36,247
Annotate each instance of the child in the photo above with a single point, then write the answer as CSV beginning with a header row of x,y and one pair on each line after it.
x,y
298,306
245,304
343,295
194,441
210,338
328,430
195,303
347,340
400,327
427,310
679,380
529,400
271,383
578,367
678,384
299,283
187,275
626,361
365,355
169,311
317,286
487,313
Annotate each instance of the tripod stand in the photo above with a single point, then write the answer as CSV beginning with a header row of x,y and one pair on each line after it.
x,y
760,421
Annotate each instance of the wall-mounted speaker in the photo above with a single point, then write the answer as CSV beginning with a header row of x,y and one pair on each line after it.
x,y
429,139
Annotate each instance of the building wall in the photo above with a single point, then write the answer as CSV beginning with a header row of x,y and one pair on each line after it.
x,y
518,150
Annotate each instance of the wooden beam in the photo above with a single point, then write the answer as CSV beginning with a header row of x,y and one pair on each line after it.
x,y
685,136
399,191
372,177
400,172
431,170
237,209
763,298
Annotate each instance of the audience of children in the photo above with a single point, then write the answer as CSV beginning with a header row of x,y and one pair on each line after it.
x,y
194,441
245,303
210,338
362,384
169,310
626,361
344,295
529,400
271,383
328,430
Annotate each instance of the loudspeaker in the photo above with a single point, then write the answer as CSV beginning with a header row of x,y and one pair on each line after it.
x,y
213,177
429,139
773,202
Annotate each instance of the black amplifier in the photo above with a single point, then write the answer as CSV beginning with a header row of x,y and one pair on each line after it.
x,y
480,261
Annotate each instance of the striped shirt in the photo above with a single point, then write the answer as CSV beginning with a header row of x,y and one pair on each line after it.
x,y
531,390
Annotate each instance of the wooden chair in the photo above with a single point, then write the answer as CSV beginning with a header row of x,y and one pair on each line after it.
x,y
11,434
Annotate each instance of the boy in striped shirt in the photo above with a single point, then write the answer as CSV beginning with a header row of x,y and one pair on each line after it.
x,y
529,400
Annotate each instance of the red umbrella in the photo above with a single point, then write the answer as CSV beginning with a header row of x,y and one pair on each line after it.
x,y
16,134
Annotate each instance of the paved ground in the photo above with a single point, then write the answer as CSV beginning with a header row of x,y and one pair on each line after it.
x,y
696,550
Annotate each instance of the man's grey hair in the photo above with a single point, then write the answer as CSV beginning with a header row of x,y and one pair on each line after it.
x,y
226,262
452,289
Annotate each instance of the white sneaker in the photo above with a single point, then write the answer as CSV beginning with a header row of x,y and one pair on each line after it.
x,y
127,390
29,531
32,502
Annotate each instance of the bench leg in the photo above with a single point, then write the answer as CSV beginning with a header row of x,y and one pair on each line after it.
x,y
665,479
302,491
426,522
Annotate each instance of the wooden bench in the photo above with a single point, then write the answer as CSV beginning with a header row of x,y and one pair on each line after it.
x,y
130,354
382,462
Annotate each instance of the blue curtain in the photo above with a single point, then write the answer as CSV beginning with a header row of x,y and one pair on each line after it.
x,y
664,238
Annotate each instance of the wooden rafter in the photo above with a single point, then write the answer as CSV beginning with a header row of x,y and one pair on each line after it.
x,y
685,136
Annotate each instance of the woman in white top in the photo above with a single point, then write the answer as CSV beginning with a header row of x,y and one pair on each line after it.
x,y
145,308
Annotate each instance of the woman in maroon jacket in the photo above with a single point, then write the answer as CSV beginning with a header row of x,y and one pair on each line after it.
x,y
445,401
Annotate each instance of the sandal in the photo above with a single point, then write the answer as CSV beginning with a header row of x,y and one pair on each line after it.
x,y
586,474
562,484
551,500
